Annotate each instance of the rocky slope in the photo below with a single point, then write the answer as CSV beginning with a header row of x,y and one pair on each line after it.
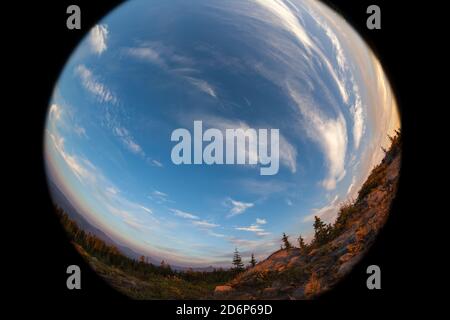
x,y
296,274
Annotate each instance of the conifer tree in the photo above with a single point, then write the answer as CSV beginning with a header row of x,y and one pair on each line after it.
x,y
237,261
301,243
285,239
253,261
321,231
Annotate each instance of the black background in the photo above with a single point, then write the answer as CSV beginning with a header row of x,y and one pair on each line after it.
x,y
43,252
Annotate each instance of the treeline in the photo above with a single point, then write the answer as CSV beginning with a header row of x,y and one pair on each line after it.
x,y
324,233
140,268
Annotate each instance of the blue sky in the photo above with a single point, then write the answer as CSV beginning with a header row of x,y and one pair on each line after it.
x,y
151,67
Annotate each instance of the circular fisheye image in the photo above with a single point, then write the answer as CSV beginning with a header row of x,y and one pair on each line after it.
x,y
222,149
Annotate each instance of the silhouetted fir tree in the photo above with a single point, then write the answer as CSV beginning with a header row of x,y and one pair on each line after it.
x,y
301,243
237,261
252,261
285,239
322,231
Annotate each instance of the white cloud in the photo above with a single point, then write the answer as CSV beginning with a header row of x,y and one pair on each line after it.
x,y
356,109
77,165
358,117
157,163
112,190
204,224
184,214
160,194
159,197
327,213
202,85
215,234
98,37
352,184
80,131
128,141
287,152
158,54
133,146
55,112
329,133
238,207
90,83
261,221
256,228
251,228
146,209
288,20
146,54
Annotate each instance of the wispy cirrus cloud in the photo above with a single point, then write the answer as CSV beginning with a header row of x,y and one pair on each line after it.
x,y
156,163
283,16
159,197
55,112
133,146
176,64
237,207
128,141
327,213
205,224
98,37
77,165
256,228
330,133
147,54
160,194
356,108
94,86
261,221
202,85
80,131
195,220
287,152
184,214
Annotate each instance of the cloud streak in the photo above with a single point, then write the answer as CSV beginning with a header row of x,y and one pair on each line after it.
x,y
238,207
95,87
256,228
128,141
330,134
98,37
184,214
175,64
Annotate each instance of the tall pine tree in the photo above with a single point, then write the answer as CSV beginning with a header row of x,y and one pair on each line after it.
x,y
237,261
301,243
253,261
321,231
285,239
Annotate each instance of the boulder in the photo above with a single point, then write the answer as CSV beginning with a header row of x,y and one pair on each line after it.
x,y
222,289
